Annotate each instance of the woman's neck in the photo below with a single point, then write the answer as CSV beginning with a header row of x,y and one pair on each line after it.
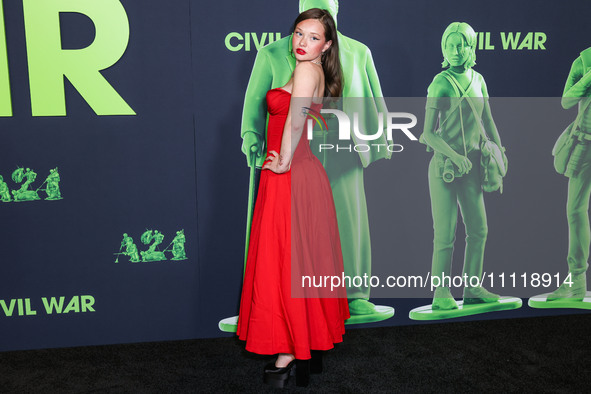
x,y
315,61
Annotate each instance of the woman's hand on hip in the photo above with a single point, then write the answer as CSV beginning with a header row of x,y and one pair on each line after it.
x,y
276,163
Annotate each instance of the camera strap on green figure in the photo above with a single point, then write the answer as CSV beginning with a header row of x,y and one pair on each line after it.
x,y
456,104
492,164
463,95
454,82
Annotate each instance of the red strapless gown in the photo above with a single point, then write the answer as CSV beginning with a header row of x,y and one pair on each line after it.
x,y
294,228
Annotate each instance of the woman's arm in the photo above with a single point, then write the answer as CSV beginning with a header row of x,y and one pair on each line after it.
x,y
440,88
306,80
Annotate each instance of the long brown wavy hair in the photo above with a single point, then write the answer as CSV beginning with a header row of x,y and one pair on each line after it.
x,y
333,74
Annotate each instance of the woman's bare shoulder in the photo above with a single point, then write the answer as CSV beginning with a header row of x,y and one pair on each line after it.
x,y
308,68
307,76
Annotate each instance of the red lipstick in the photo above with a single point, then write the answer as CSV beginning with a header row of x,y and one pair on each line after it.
x,y
300,51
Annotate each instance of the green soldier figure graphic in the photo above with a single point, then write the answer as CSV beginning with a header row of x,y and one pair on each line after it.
x,y
53,188
130,249
24,194
178,246
158,238
4,191
155,237
454,170
273,67
577,91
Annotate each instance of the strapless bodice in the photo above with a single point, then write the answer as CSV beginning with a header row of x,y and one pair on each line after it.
x,y
278,101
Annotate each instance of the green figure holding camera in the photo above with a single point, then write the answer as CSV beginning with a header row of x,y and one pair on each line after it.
x,y
576,91
454,170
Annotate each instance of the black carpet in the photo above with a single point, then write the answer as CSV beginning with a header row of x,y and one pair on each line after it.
x,y
542,354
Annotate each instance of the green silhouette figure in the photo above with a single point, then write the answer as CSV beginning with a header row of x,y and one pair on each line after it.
x,y
273,68
130,249
53,185
24,194
454,170
4,191
178,246
155,238
576,91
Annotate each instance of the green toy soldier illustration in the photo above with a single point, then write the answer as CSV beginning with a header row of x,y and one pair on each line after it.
x,y
24,194
4,191
130,249
53,188
178,246
155,237
454,170
273,67
578,170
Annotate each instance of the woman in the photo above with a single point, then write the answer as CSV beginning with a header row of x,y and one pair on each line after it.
x,y
294,229
454,170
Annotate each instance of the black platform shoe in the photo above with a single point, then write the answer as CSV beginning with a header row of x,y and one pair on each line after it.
x,y
277,377
316,361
